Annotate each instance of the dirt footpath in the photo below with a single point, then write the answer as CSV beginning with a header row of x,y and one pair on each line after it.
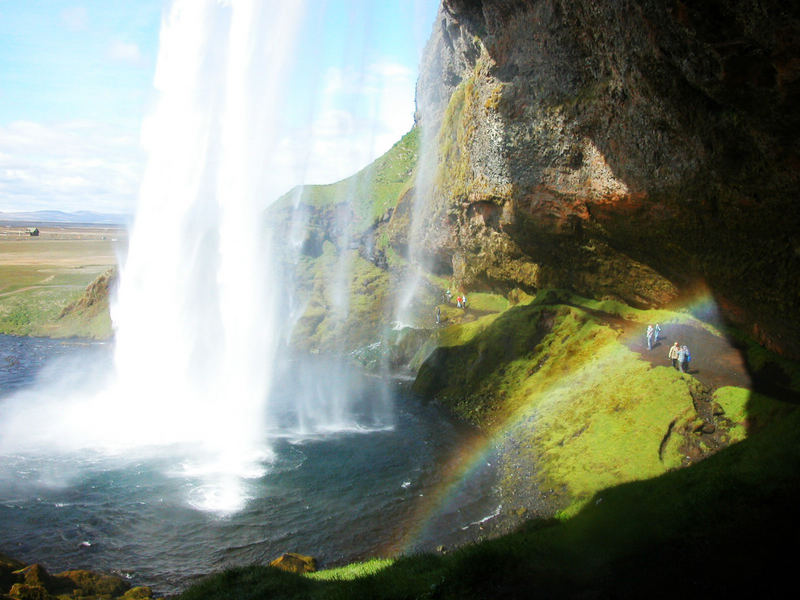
x,y
715,361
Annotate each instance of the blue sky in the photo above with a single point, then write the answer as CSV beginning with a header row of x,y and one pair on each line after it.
x,y
76,81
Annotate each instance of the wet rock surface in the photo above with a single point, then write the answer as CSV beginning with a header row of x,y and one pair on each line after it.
x,y
619,149
33,582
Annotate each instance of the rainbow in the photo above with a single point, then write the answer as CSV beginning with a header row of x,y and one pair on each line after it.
x,y
471,456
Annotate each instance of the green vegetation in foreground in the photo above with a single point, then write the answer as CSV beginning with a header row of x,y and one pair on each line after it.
x,y
35,311
40,278
714,528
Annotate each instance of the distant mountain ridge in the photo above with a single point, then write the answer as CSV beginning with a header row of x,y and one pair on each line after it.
x,y
58,216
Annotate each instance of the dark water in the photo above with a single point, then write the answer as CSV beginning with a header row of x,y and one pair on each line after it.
x,y
340,497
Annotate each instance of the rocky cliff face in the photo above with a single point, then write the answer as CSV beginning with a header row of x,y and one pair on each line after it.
x,y
631,150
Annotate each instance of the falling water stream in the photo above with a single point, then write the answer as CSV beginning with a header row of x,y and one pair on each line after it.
x,y
197,317
196,441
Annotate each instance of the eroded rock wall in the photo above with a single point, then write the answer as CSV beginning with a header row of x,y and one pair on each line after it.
x,y
622,149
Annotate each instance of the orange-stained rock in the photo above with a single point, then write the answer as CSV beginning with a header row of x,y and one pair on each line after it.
x,y
295,563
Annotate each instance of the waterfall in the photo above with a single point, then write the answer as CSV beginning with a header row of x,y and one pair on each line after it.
x,y
195,320
407,307
200,380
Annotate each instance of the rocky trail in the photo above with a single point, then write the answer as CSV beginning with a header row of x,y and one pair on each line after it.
x,y
715,363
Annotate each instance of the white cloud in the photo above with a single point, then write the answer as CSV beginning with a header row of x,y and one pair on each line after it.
x,y
124,51
83,165
75,18
361,115
69,166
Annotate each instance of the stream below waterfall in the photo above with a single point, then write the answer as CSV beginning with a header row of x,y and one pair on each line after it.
x,y
339,496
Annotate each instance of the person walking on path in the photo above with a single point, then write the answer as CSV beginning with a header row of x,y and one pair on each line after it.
x,y
438,314
656,333
673,355
682,358
649,337
687,356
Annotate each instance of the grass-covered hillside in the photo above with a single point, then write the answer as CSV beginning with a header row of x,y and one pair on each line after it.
x,y
56,288
658,482
345,274
366,196
570,388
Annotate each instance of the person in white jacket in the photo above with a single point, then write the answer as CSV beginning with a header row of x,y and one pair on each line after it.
x,y
673,354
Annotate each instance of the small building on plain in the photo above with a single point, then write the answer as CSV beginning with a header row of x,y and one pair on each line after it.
x,y
33,231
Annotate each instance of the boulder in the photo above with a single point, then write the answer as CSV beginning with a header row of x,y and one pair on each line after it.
x,y
295,563
138,593
7,568
704,427
90,583
34,575
23,591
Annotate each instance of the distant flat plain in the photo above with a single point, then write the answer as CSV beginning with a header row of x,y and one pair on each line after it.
x,y
40,275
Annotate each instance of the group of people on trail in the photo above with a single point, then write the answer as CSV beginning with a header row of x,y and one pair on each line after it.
x,y
653,334
680,357
678,354
461,302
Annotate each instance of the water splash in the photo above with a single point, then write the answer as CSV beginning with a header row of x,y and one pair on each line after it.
x,y
198,269
203,309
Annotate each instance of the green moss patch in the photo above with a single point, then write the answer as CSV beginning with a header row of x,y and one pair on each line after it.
x,y
557,381
608,424
33,299
369,193
483,302
346,301
35,311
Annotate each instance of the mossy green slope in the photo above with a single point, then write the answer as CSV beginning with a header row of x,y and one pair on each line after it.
x,y
369,193
341,276
556,381
329,323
